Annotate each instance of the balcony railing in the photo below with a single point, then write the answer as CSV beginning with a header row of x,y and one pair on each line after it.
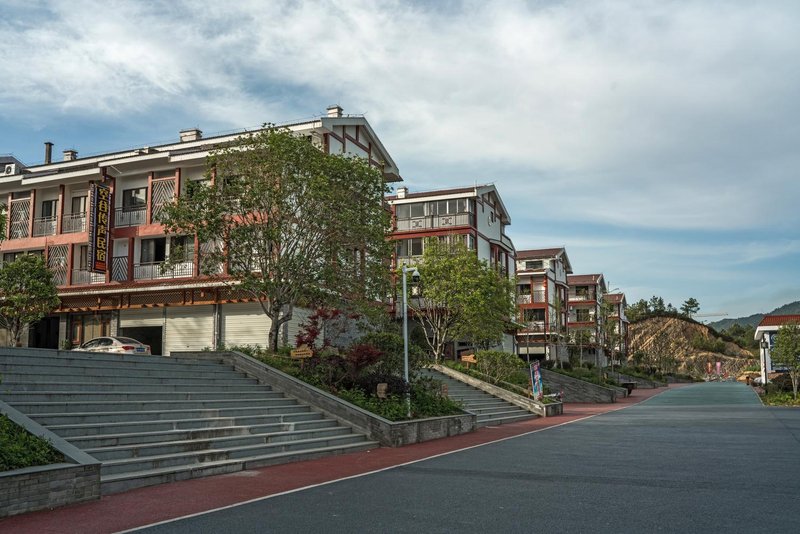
x,y
158,271
119,268
524,299
536,297
581,296
84,276
73,223
44,226
135,216
435,221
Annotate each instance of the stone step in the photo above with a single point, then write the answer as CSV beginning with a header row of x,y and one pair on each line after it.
x,y
502,408
141,451
201,373
34,408
99,387
126,481
505,419
67,365
134,438
54,356
115,467
47,419
12,378
68,431
120,396
486,404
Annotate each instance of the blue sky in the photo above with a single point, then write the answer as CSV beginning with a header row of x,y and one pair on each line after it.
x,y
657,141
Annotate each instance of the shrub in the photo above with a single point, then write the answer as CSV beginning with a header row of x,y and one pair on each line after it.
x,y
391,364
497,364
19,448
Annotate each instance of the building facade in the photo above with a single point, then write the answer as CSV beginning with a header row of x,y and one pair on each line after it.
x,y
584,321
617,328
474,216
765,334
542,293
169,306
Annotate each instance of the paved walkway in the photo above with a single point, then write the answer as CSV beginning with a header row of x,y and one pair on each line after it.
x,y
146,506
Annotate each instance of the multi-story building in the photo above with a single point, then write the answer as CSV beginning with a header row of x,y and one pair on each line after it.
x,y
616,330
475,216
542,302
169,306
584,316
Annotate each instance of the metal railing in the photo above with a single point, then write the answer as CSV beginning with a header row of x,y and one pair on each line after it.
x,y
44,226
135,216
84,276
435,221
73,223
581,296
159,270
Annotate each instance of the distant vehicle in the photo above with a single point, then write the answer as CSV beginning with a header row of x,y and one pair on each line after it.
x,y
117,345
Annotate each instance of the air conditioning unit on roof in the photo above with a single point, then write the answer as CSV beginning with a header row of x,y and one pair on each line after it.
x,y
11,168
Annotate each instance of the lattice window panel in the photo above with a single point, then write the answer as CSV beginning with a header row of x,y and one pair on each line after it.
x,y
163,193
57,262
20,216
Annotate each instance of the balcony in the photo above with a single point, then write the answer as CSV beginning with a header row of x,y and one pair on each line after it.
x,y
435,221
536,297
44,226
581,296
161,271
84,276
133,216
73,223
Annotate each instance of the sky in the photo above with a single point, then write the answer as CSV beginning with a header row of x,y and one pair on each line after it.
x,y
656,140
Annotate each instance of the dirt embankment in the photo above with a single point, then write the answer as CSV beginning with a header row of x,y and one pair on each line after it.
x,y
686,345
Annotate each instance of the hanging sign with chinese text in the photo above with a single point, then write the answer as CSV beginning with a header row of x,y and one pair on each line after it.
x,y
99,217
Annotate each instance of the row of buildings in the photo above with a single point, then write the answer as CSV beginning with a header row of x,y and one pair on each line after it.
x,y
177,308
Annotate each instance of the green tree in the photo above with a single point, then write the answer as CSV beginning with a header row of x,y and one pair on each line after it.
x,y
656,304
786,352
291,225
637,310
690,307
460,296
27,293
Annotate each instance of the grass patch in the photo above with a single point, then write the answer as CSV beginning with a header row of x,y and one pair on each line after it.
x,y
19,448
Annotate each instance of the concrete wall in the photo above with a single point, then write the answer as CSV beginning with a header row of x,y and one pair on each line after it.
x,y
576,390
388,433
48,486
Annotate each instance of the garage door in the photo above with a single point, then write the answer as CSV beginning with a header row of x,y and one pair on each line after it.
x,y
244,324
189,328
145,325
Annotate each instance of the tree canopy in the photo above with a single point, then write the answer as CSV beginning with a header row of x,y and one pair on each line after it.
x,y
287,224
27,293
786,352
690,307
461,297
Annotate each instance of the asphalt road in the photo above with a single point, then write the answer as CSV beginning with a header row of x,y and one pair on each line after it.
x,y
704,458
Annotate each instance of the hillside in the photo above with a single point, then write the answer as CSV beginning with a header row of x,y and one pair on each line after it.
x,y
753,320
688,345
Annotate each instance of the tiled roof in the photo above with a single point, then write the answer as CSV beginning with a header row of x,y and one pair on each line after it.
x,y
436,193
779,320
583,278
538,254
614,297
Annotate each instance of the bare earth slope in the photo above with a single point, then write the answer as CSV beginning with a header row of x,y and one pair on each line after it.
x,y
680,339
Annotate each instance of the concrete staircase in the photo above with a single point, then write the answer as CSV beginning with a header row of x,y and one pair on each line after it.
x,y
153,419
490,410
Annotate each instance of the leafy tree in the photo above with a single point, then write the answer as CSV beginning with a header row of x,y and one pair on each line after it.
x,y
610,329
656,304
786,352
637,310
580,339
690,307
290,225
460,296
27,293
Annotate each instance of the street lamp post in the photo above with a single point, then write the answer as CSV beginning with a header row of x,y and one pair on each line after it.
x,y
415,279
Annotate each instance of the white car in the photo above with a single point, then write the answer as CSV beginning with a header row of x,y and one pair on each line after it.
x,y
117,345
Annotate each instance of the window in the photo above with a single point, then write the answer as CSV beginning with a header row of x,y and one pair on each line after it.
x,y
83,257
8,257
524,289
582,315
409,247
79,204
20,194
183,246
49,208
533,265
134,198
582,291
533,315
415,246
153,250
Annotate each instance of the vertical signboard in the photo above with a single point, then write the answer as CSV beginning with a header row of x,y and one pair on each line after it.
x,y
99,217
536,381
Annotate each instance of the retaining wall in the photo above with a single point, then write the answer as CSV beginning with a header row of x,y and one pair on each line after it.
x,y
576,390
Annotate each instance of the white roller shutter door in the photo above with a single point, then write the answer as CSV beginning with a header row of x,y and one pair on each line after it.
x,y
189,328
142,317
299,316
244,324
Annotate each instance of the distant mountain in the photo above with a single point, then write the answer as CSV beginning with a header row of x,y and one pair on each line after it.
x,y
793,308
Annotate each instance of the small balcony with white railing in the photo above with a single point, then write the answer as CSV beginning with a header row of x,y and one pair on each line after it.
x,y
429,222
73,223
162,270
82,277
44,226
130,216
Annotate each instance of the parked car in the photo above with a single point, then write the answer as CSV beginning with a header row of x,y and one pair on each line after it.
x,y
117,345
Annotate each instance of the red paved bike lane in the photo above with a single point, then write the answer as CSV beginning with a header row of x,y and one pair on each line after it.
x,y
150,505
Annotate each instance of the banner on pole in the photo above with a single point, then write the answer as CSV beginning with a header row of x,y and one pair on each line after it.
x,y
536,381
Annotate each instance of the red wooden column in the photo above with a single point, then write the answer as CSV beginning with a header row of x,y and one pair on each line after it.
x,y
131,242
